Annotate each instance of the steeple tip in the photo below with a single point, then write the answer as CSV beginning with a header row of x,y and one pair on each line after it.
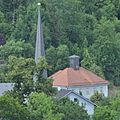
x,y
39,4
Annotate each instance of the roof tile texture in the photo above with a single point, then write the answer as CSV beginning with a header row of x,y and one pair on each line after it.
x,y
71,77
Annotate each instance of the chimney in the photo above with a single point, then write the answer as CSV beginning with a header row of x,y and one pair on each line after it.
x,y
74,62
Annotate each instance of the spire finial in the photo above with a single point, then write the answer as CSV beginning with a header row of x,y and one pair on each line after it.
x,y
39,4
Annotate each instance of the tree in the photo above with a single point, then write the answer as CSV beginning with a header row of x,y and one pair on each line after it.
x,y
105,113
11,48
71,110
108,109
106,43
57,58
99,8
11,109
62,57
4,26
20,72
18,49
65,23
88,62
3,70
51,57
97,97
43,84
41,107
10,7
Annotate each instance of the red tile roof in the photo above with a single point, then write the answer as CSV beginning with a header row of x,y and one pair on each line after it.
x,y
71,77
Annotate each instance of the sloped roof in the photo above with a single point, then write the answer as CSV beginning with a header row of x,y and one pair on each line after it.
x,y
5,87
71,77
64,93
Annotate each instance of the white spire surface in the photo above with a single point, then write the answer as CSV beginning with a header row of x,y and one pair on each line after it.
x,y
40,50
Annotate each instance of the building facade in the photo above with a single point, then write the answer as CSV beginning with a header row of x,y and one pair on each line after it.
x,y
87,90
75,97
80,80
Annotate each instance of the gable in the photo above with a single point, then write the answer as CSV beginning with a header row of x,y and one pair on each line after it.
x,y
82,100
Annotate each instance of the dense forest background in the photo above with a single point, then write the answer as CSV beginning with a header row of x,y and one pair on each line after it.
x,y
90,29
87,28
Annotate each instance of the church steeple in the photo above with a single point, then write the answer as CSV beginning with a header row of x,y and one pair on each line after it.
x,y
40,50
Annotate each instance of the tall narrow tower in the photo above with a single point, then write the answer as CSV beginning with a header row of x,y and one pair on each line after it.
x,y
39,50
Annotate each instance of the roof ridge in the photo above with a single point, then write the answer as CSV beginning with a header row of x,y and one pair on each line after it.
x,y
58,72
68,76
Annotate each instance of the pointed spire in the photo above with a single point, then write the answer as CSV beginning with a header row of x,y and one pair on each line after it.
x,y
39,50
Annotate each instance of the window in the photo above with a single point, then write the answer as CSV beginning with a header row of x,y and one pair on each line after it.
x,y
75,100
80,92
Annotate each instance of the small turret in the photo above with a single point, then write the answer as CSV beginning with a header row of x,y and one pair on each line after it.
x,y
74,62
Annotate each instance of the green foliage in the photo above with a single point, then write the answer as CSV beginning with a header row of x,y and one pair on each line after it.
x,y
90,29
43,84
62,57
109,110
71,110
41,107
20,72
67,27
3,70
11,48
97,97
105,113
88,63
4,26
11,109
18,49
57,58
106,43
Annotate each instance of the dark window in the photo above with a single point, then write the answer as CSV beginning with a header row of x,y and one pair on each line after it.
x,y
80,92
75,100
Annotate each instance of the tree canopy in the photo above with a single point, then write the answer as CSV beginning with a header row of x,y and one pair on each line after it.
x,y
89,29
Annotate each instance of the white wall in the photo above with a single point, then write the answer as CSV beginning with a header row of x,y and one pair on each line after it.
x,y
5,87
88,90
88,106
